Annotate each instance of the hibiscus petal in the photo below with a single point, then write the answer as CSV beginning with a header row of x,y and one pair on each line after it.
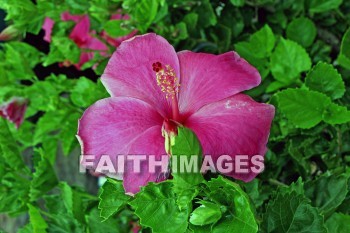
x,y
66,16
129,71
235,126
154,142
84,57
14,110
95,44
116,126
47,27
91,44
80,33
207,78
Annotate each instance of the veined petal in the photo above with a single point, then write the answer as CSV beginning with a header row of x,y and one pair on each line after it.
x,y
154,142
129,71
234,126
81,31
207,78
112,126
95,44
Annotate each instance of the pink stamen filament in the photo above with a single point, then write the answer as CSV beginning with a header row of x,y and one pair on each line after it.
x,y
168,83
175,109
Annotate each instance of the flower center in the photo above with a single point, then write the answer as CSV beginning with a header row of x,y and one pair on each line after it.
x,y
169,131
169,84
166,79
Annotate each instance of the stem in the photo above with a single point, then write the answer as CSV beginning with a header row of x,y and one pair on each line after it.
x,y
276,182
340,144
339,140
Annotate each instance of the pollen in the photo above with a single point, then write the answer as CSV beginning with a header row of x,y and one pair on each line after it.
x,y
166,79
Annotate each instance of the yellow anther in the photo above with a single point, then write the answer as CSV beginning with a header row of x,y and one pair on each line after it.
x,y
167,81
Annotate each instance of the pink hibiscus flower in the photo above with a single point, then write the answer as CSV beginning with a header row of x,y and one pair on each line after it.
x,y
143,78
81,35
14,110
86,40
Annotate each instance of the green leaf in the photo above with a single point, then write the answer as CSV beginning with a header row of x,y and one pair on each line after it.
x,y
344,55
43,96
206,14
260,44
97,224
191,20
62,49
36,220
253,189
25,229
61,219
44,178
302,107
112,198
299,160
327,192
65,223
247,51
67,197
336,114
206,213
325,78
237,2
228,15
68,132
292,213
264,39
306,109
288,60
48,125
184,199
78,6
302,30
239,216
142,11
20,59
319,6
115,28
57,125
186,149
14,191
338,223
296,187
181,31
156,207
75,203
24,14
9,148
81,96
258,49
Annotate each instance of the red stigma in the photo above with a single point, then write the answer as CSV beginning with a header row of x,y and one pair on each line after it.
x,y
157,66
